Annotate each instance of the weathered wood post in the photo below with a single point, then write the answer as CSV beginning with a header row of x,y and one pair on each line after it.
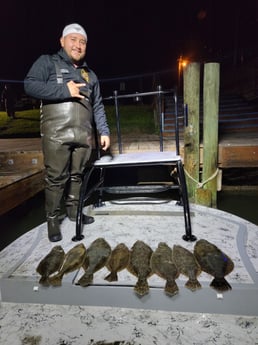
x,y
191,77
211,83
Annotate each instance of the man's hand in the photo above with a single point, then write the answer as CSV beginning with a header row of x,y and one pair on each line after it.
x,y
104,142
74,89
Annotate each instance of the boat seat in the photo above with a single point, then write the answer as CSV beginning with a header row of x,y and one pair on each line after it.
x,y
136,159
172,159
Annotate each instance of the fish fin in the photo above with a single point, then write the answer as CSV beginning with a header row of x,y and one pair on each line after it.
x,y
220,284
44,281
112,277
86,279
55,280
141,287
171,288
193,285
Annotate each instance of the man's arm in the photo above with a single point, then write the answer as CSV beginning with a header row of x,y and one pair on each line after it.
x,y
41,81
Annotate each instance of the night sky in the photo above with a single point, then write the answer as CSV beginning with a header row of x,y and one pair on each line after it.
x,y
127,37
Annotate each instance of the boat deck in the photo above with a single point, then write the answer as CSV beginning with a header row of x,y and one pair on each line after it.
x,y
111,312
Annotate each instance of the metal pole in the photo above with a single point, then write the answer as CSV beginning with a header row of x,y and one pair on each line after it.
x,y
118,129
161,118
176,125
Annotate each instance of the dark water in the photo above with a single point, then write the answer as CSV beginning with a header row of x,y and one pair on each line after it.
x,y
31,213
21,219
241,203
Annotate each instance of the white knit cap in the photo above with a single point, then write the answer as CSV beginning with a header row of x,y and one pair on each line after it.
x,y
74,29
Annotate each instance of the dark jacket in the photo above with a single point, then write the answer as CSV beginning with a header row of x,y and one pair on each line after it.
x,y
42,83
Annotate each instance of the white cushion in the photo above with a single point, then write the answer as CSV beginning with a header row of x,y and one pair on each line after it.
x,y
138,158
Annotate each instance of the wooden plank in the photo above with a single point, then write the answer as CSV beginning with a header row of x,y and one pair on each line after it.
x,y
211,82
192,129
13,194
20,144
238,156
20,161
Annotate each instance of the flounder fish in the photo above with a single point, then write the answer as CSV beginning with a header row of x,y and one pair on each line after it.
x,y
73,260
117,261
96,258
50,264
163,265
188,266
139,265
214,262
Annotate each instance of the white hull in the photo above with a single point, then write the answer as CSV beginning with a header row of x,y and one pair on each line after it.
x,y
112,311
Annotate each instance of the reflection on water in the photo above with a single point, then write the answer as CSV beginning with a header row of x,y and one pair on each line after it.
x,y
242,203
31,213
22,219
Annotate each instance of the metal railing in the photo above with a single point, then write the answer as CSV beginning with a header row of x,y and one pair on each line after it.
x,y
160,108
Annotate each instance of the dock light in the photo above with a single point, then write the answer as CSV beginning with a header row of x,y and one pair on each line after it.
x,y
182,63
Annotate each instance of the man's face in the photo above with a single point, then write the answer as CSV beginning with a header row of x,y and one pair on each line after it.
x,y
74,46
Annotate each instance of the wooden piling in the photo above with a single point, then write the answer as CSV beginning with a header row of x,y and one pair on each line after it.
x,y
191,78
211,83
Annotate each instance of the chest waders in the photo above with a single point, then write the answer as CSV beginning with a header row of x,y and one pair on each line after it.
x,y
66,130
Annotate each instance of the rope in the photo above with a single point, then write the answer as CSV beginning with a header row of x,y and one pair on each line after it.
x,y
201,184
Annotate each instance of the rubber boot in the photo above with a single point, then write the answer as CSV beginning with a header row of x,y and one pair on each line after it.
x,y
53,228
72,214
52,206
72,201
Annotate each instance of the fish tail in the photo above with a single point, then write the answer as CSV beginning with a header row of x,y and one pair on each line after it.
x,y
220,284
141,287
171,288
44,281
193,284
56,280
86,279
112,277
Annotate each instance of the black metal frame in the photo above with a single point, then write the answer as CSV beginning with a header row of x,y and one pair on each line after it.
x,y
181,186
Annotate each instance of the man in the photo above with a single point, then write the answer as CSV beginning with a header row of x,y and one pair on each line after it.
x,y
70,102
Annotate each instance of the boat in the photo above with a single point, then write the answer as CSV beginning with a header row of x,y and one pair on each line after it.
x,y
111,312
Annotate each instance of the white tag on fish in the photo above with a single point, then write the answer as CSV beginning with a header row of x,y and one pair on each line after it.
x,y
219,296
